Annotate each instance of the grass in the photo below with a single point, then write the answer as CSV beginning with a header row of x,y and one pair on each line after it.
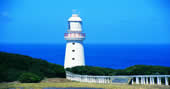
x,y
77,84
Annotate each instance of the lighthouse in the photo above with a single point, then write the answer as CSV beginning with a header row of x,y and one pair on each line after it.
x,y
74,54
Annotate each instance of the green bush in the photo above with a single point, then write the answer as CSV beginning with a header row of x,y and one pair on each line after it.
x,y
90,70
13,65
133,70
29,78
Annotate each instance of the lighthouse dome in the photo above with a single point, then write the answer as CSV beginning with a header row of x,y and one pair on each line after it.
x,y
75,17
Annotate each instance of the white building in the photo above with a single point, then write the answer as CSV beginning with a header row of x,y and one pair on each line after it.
x,y
74,55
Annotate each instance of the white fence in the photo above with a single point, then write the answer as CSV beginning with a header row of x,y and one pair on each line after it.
x,y
131,79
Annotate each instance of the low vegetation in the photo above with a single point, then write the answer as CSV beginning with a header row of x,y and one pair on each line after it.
x,y
29,78
76,84
27,69
133,70
12,66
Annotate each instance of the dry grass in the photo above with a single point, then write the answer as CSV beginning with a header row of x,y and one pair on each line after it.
x,y
55,80
77,84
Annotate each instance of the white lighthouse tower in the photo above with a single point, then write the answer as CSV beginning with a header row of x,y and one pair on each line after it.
x,y
74,55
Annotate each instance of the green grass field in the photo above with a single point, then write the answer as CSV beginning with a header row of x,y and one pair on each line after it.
x,y
77,84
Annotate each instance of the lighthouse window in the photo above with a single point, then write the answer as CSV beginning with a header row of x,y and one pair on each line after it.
x,y
73,58
73,50
73,43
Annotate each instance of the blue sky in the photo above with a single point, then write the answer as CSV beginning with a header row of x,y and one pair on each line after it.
x,y
104,21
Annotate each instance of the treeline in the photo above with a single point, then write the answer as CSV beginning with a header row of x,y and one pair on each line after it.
x,y
13,65
133,70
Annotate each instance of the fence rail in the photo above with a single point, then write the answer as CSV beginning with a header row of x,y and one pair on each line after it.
x,y
131,79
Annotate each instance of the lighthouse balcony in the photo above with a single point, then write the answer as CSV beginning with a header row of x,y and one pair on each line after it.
x,y
74,36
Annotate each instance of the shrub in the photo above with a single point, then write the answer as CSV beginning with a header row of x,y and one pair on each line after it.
x,y
133,70
29,78
13,65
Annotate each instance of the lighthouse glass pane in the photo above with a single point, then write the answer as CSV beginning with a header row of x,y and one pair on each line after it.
x,y
75,26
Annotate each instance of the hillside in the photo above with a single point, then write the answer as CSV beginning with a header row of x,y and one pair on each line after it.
x,y
13,65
